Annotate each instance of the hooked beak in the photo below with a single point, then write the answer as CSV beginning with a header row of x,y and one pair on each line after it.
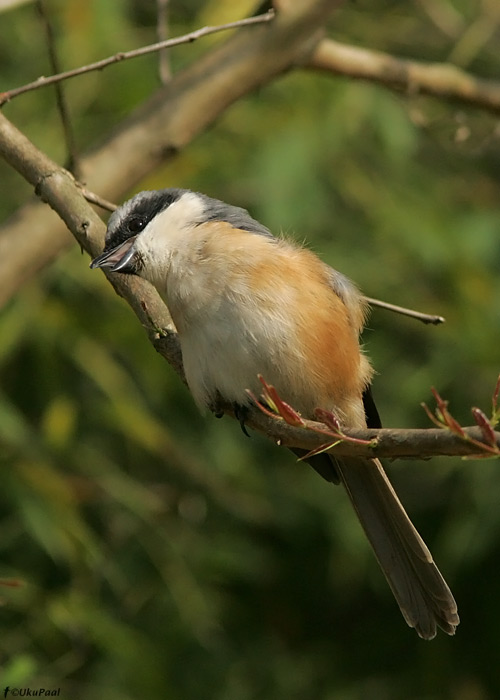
x,y
119,259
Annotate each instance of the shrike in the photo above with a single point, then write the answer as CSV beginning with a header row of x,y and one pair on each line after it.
x,y
247,303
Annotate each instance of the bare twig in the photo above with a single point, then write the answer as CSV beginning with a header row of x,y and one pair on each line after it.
x,y
94,198
439,79
164,70
135,53
60,96
425,318
487,444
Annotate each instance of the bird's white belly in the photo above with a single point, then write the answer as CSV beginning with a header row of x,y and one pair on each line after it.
x,y
223,356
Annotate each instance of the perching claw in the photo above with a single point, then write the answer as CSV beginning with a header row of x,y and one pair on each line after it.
x,y
241,414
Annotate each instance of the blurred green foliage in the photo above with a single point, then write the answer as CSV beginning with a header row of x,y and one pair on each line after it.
x,y
163,554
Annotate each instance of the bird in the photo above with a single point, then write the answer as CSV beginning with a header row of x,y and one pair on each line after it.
x,y
247,303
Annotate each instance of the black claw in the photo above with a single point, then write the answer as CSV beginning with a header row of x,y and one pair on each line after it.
x,y
241,414
216,409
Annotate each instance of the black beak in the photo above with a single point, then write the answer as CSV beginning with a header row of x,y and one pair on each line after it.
x,y
119,259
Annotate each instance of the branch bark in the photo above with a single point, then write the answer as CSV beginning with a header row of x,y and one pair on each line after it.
x,y
438,79
390,443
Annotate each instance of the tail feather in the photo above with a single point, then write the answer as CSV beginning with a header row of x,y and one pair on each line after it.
x,y
417,584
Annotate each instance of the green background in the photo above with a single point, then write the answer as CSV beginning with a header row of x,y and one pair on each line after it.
x,y
165,555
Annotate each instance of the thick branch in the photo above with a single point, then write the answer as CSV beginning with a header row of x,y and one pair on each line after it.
x,y
439,79
58,188
172,118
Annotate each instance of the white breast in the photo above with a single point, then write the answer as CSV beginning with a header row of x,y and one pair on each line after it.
x,y
227,336
227,347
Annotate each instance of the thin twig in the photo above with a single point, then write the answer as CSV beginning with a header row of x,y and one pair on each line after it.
x,y
164,69
94,198
62,105
125,55
425,318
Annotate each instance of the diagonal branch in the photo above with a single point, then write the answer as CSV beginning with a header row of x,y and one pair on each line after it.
x,y
134,53
58,188
438,79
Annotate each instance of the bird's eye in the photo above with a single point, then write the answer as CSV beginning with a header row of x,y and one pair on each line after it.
x,y
136,224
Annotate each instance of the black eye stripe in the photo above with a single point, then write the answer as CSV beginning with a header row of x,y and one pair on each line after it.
x,y
133,217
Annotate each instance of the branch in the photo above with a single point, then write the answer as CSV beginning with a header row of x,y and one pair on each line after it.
x,y
438,79
61,101
425,318
164,69
94,198
450,438
385,442
58,187
135,53
170,120
393,443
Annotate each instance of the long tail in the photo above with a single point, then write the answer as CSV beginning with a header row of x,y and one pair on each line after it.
x,y
418,586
